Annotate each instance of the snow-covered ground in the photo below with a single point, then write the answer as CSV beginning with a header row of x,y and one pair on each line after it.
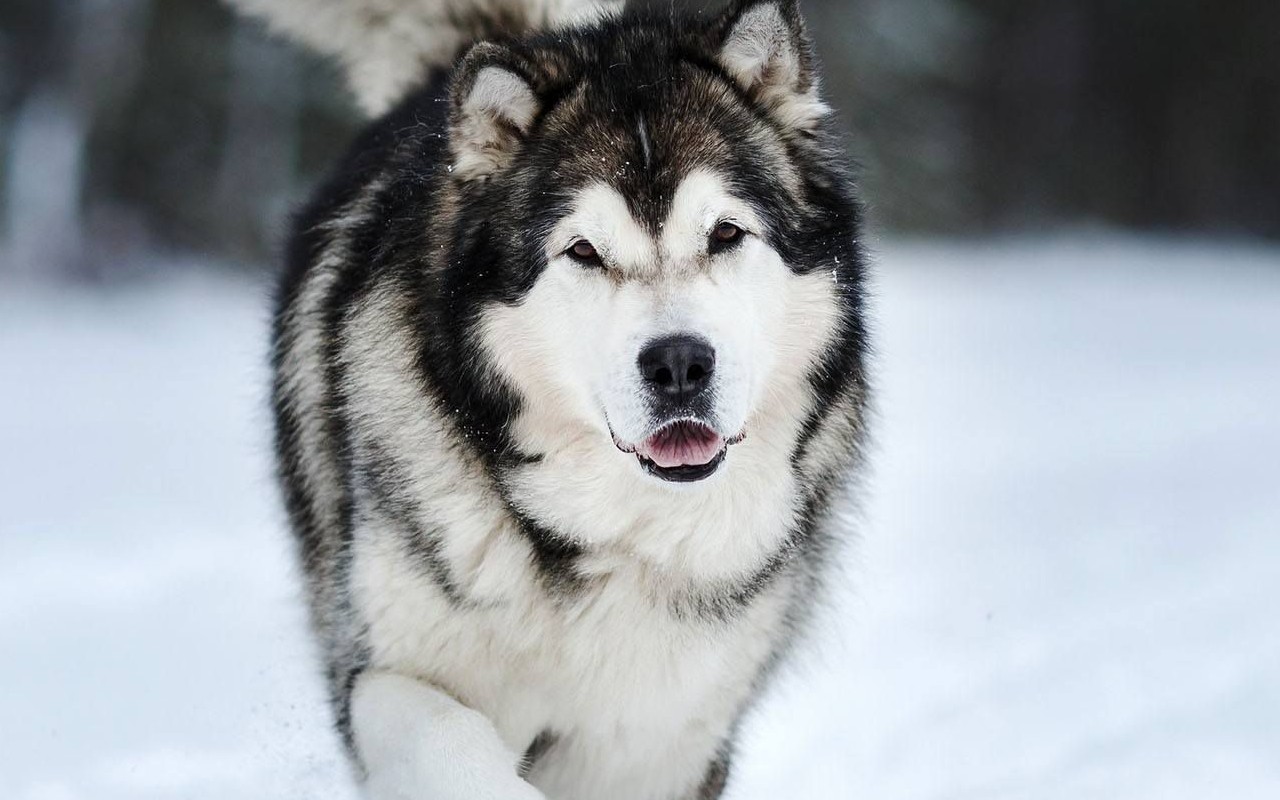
x,y
1066,582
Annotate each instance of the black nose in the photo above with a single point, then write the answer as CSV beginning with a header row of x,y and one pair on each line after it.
x,y
678,367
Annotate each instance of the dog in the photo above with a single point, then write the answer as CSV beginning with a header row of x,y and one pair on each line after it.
x,y
570,379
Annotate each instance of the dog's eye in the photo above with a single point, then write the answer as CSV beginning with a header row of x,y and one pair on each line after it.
x,y
725,235
584,252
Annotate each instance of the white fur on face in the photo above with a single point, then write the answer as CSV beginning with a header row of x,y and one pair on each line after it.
x,y
571,349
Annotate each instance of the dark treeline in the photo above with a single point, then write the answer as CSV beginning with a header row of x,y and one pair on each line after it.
x,y
132,125
981,115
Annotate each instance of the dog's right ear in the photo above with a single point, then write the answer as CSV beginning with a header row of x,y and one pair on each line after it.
x,y
492,107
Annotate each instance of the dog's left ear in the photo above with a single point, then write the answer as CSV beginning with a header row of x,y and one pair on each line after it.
x,y
765,48
492,107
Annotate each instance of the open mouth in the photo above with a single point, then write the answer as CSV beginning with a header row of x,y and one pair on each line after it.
x,y
683,451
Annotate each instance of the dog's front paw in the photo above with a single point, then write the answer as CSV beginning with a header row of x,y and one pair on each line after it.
x,y
418,743
524,791
396,787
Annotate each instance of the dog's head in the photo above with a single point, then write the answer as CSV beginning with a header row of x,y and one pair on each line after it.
x,y
664,235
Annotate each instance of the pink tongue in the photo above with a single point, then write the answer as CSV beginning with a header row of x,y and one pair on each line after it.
x,y
684,444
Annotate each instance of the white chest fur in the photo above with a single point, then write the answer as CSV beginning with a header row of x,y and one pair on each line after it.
x,y
638,701
639,698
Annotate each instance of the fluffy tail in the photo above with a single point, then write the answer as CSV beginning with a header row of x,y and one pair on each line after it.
x,y
387,46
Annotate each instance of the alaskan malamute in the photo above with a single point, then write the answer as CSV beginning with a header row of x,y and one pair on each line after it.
x,y
569,370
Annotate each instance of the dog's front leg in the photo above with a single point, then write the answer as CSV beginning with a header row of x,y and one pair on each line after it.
x,y
418,743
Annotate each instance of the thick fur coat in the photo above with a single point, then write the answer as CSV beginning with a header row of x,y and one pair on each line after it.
x,y
569,361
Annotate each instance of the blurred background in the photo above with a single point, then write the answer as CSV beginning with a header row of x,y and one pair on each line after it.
x,y
128,126
1066,567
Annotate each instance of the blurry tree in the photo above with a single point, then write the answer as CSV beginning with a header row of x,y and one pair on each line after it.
x,y
981,115
896,71
1140,113
135,126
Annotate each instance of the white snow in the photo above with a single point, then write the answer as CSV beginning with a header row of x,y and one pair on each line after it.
x,y
1066,582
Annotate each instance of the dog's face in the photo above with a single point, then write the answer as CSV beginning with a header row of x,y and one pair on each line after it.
x,y
669,234
664,337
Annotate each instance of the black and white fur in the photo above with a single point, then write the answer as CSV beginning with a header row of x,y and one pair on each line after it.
x,y
512,602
